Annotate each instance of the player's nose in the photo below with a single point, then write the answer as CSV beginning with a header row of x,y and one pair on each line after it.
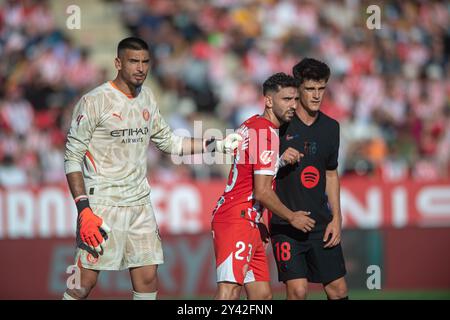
x,y
316,95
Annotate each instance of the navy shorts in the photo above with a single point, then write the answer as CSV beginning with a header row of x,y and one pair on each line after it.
x,y
299,257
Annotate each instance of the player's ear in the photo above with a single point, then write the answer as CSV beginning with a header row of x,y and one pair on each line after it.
x,y
268,101
118,63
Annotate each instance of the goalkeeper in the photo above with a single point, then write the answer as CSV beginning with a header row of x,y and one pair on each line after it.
x,y
106,166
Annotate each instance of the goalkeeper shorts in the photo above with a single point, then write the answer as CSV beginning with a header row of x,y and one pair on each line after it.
x,y
134,239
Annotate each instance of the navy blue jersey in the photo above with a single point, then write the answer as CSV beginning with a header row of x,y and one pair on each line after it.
x,y
302,186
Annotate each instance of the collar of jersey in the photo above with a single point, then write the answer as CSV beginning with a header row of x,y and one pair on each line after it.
x,y
267,120
306,125
129,96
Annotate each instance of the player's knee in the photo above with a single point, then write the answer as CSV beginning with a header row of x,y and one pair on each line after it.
x,y
80,293
262,295
228,293
87,283
298,293
149,279
337,292
236,295
266,295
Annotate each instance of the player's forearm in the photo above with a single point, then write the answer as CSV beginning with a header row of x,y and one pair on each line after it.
x,y
227,145
192,146
333,191
270,200
178,145
76,184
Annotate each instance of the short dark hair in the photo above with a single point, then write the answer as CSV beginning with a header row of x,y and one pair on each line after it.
x,y
278,81
132,43
311,69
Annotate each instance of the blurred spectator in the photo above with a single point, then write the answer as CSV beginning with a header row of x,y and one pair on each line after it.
x,y
41,72
10,174
390,88
16,112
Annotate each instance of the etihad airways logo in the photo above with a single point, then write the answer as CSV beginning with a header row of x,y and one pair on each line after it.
x,y
130,135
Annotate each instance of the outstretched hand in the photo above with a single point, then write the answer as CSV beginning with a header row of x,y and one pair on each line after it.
x,y
229,144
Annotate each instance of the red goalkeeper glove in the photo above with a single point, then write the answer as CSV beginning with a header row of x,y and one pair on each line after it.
x,y
90,225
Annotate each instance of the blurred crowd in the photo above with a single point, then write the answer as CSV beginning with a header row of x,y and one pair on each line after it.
x,y
42,73
389,89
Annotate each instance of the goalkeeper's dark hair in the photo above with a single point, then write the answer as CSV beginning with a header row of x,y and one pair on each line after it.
x,y
278,81
311,69
131,43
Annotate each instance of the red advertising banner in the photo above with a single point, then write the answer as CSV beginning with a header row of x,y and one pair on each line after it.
x,y
185,207
409,259
372,203
40,269
417,258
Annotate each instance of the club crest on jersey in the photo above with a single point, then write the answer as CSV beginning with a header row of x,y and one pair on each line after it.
x,y
309,147
266,157
146,114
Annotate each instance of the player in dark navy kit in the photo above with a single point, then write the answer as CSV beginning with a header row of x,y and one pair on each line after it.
x,y
311,184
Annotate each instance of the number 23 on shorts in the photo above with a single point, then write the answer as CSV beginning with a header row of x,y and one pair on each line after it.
x,y
240,246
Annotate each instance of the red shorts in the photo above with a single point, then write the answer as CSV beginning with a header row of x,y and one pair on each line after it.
x,y
240,253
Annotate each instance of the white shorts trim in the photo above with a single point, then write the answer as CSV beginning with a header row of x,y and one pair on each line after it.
x,y
225,270
265,172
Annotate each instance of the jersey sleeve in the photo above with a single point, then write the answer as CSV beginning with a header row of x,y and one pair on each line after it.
x,y
163,137
332,161
85,119
267,153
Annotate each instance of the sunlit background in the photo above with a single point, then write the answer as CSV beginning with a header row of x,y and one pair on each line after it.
x,y
389,89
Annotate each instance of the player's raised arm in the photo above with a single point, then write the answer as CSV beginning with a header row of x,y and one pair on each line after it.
x,y
227,145
168,142
264,194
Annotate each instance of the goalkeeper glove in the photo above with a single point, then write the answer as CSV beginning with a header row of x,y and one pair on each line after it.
x,y
227,145
90,225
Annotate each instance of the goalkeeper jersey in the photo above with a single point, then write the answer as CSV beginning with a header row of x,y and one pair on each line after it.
x,y
108,139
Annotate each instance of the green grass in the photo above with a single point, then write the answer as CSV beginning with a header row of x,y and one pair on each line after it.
x,y
355,295
385,295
